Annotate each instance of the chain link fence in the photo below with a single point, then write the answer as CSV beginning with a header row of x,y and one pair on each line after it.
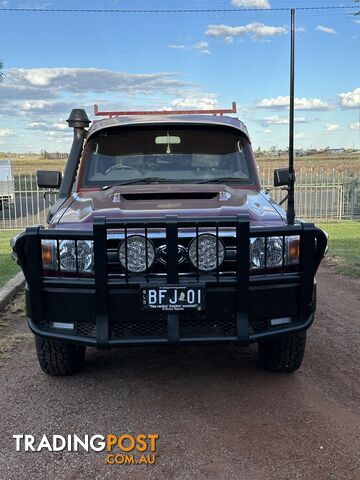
x,y
319,194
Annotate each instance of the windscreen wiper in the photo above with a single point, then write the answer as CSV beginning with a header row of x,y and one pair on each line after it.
x,y
225,180
141,180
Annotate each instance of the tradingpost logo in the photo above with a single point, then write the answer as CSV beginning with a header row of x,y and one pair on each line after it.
x,y
124,449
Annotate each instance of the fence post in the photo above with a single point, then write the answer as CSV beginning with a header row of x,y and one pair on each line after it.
x,y
353,195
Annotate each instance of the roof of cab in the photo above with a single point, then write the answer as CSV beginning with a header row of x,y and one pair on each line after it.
x,y
220,120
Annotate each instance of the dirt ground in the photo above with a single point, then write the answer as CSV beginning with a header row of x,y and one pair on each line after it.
x,y
218,415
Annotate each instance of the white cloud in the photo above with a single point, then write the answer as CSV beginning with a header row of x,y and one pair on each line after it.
x,y
55,134
176,46
331,127
357,20
276,120
42,94
37,125
350,99
256,29
35,105
300,29
267,130
80,80
322,28
196,101
202,47
355,126
56,126
251,3
302,136
60,125
282,102
7,132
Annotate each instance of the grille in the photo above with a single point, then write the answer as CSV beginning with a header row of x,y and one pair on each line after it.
x,y
86,329
158,237
150,328
157,328
202,327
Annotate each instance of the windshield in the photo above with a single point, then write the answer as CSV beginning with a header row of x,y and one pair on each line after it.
x,y
166,154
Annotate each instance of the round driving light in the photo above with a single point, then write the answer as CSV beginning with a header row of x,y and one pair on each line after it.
x,y
274,251
85,255
132,253
257,253
206,252
67,253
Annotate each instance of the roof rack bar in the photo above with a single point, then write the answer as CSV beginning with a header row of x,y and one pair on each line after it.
x,y
220,112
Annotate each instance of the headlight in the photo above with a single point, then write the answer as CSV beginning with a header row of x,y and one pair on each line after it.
x,y
211,252
71,253
81,252
85,255
132,253
257,253
274,251
67,255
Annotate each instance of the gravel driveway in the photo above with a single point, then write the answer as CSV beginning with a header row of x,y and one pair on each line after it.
x,y
218,415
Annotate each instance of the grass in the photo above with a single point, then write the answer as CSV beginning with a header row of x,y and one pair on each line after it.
x,y
344,246
28,164
8,268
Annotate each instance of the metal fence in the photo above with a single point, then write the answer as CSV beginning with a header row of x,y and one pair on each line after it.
x,y
320,194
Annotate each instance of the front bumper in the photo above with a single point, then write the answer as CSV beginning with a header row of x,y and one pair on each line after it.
x,y
272,302
240,308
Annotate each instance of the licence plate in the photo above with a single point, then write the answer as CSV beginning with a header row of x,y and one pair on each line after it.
x,y
172,298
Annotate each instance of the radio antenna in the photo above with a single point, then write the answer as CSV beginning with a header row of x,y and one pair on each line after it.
x,y
290,214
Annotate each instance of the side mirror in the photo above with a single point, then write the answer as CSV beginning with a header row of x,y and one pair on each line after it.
x,y
48,179
281,177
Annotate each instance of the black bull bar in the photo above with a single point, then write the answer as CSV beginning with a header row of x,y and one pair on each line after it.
x,y
313,243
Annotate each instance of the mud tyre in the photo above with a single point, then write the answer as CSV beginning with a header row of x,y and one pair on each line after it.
x,y
283,354
58,358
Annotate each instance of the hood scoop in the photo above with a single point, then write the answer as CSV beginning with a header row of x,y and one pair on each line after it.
x,y
170,196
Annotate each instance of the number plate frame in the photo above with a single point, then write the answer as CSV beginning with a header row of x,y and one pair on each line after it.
x,y
162,296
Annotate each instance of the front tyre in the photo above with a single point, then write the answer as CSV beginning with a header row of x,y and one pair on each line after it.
x,y
58,358
283,354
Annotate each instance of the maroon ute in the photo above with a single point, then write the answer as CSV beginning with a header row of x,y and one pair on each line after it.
x,y
161,234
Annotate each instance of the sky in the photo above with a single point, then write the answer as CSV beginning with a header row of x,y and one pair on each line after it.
x,y
56,61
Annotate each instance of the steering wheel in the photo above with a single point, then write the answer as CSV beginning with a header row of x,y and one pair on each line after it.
x,y
121,167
